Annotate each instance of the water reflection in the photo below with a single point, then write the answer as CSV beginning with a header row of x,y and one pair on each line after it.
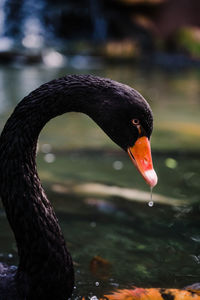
x,y
174,98
49,157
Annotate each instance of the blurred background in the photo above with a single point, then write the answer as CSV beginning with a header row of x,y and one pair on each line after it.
x,y
154,46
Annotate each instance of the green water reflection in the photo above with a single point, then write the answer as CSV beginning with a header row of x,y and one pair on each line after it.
x,y
145,245
174,98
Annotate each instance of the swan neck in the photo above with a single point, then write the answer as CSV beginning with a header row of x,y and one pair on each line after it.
x,y
41,246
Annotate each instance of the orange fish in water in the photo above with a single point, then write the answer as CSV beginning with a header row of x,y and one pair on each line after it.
x,y
155,294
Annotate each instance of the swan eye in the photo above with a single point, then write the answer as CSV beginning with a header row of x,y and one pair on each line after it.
x,y
136,122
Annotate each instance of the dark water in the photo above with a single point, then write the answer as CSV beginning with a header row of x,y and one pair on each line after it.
x,y
146,245
143,245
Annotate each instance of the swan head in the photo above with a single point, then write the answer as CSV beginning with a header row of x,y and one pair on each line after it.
x,y
127,119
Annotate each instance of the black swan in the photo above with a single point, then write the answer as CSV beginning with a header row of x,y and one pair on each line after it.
x,y
45,268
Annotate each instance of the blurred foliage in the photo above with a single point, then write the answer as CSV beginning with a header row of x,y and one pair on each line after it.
x,y
114,28
189,40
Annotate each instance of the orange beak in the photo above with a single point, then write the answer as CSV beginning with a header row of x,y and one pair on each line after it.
x,y
140,155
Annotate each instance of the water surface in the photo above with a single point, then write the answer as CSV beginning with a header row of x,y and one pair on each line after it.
x,y
142,245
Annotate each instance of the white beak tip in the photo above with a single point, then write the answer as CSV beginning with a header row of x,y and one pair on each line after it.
x,y
151,177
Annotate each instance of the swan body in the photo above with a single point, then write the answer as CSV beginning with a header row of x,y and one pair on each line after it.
x,y
45,269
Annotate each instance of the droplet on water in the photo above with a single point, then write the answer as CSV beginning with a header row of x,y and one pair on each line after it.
x,y
94,298
93,224
150,203
118,165
49,157
171,163
13,268
196,258
196,238
97,283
